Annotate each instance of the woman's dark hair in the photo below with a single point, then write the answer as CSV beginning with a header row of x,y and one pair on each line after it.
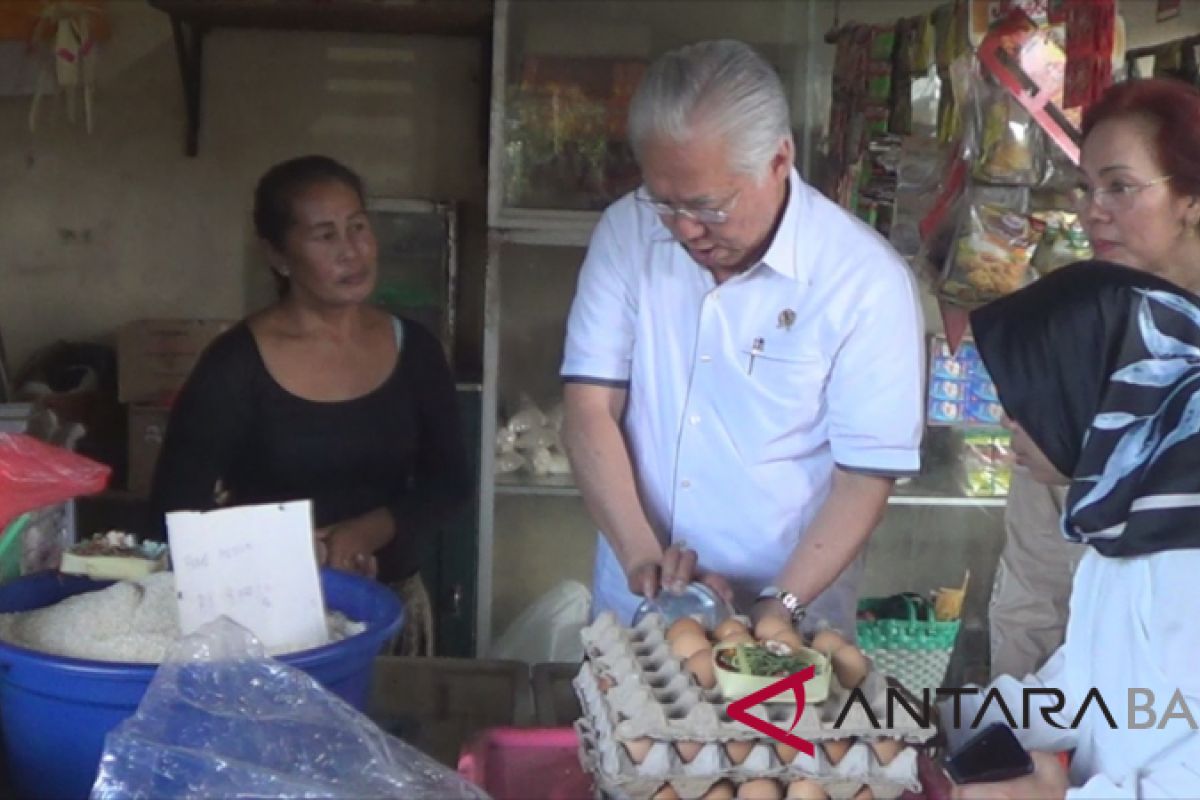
x,y
278,189
1173,107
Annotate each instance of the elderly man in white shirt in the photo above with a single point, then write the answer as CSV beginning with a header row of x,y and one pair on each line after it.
x,y
743,363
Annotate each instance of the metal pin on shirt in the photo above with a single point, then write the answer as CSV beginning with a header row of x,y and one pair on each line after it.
x,y
755,351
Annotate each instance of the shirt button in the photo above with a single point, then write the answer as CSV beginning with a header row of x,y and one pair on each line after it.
x,y
686,484
706,359
695,419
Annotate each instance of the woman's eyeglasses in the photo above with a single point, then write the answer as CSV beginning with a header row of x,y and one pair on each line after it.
x,y
705,216
1118,197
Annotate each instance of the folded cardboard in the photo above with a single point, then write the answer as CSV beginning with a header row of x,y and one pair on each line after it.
x,y
155,356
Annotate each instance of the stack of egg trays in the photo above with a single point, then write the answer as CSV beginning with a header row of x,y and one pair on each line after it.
x,y
648,694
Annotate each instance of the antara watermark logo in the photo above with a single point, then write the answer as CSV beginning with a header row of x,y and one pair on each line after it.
x,y
1141,705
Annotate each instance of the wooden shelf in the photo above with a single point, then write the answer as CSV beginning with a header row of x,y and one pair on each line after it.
x,y
192,20
415,18
915,494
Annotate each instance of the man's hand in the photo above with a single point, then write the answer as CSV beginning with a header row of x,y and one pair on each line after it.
x,y
769,607
673,573
1048,781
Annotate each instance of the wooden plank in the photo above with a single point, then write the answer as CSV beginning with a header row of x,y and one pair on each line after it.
x,y
420,17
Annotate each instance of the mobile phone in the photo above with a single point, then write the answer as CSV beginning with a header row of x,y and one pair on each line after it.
x,y
993,754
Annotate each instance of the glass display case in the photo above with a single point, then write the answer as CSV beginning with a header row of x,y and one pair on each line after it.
x,y
562,74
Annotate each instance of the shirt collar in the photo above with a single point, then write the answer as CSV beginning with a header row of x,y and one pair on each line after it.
x,y
781,256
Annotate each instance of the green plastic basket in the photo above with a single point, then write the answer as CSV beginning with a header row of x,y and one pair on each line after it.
x,y
914,651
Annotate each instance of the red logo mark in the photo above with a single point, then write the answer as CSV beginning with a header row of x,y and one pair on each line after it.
x,y
738,708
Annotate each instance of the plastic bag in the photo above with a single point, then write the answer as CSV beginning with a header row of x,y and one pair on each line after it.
x,y
1005,143
548,630
34,474
992,253
221,719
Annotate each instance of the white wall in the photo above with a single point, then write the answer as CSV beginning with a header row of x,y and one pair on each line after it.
x,y
96,230
1141,27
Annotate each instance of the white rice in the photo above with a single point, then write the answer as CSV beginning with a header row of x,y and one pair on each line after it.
x,y
130,621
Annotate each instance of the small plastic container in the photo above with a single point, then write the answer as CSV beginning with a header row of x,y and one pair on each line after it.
x,y
735,685
526,764
697,601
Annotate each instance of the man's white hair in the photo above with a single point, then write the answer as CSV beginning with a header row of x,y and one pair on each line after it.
x,y
721,87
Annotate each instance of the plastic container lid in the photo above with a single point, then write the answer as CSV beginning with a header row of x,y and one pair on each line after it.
x,y
697,601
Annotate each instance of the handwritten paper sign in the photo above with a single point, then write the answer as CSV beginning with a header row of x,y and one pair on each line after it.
x,y
253,564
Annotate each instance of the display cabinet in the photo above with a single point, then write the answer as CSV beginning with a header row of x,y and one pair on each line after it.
x,y
558,155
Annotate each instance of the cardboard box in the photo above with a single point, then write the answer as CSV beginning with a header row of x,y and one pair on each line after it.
x,y
155,356
147,428
438,704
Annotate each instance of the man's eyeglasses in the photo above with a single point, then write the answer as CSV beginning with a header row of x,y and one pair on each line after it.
x,y
1118,197
715,215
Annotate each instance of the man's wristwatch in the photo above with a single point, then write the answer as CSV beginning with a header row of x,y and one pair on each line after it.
x,y
794,607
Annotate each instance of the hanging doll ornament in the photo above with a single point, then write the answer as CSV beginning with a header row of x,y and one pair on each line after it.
x,y
65,37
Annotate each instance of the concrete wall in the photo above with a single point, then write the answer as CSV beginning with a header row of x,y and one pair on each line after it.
x,y
96,230
1141,27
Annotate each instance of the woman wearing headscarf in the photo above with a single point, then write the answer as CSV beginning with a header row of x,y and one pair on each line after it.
x,y
1098,369
1139,200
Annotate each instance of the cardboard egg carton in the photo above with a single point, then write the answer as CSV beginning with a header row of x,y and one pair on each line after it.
x,y
608,757
843,782
652,695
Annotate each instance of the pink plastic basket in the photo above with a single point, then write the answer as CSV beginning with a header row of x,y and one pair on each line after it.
x,y
543,764
526,764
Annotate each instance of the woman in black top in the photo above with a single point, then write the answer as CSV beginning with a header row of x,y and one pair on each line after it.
x,y
322,396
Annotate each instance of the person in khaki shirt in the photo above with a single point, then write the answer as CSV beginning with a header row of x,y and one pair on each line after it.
x,y
1028,611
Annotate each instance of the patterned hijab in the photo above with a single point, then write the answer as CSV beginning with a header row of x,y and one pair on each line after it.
x,y
1100,364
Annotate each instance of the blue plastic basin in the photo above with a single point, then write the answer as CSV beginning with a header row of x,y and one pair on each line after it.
x,y
56,711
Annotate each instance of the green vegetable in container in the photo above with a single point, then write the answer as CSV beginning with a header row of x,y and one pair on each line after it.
x,y
749,659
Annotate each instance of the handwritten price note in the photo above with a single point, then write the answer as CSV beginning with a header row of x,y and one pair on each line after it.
x,y
253,564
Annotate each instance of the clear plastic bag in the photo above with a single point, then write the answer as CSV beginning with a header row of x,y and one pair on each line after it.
x,y
34,474
991,258
221,719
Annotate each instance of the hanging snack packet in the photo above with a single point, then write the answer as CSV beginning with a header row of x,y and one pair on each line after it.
x,y
991,256
1010,144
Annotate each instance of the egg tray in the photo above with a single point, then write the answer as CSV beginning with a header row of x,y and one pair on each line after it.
x,y
654,696
840,784
612,764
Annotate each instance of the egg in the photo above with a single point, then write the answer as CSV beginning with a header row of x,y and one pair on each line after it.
x,y
728,628
638,749
828,642
786,753
666,792
789,638
850,666
806,790
738,751
768,626
836,749
864,793
886,750
760,789
688,750
685,625
700,664
688,644
739,638
721,790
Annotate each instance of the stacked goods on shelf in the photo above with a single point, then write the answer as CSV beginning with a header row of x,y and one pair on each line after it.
x,y
655,720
